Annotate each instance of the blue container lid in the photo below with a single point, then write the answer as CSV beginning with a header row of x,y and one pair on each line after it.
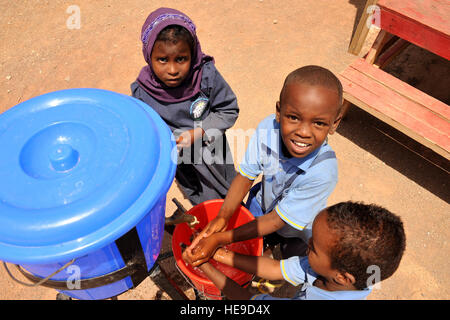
x,y
78,169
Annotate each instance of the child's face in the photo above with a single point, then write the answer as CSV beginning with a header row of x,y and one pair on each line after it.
x,y
171,62
307,114
320,245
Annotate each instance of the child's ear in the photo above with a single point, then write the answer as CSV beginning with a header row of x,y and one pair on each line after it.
x,y
335,124
277,113
345,279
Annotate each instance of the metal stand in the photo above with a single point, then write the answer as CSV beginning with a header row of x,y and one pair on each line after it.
x,y
158,275
166,284
62,296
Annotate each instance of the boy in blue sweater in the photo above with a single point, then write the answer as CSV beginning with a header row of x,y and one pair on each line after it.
x,y
353,246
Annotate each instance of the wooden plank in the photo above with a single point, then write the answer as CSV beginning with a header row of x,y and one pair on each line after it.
x,y
416,30
406,90
390,97
362,29
373,104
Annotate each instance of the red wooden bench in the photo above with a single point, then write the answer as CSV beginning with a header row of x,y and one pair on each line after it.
x,y
411,111
400,105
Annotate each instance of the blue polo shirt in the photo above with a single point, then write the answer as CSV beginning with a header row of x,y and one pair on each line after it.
x,y
308,193
296,270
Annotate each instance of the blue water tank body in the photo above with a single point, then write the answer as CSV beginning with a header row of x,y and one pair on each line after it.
x,y
79,169
107,260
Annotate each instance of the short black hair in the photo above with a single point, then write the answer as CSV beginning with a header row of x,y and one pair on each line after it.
x,y
367,235
175,33
315,75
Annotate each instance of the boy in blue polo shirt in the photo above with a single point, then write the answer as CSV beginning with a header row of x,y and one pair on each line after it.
x,y
298,167
353,247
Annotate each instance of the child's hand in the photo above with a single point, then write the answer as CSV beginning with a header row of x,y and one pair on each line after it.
x,y
218,224
202,252
187,138
186,257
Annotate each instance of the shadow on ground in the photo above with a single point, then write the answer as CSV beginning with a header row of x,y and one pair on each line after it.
x,y
418,163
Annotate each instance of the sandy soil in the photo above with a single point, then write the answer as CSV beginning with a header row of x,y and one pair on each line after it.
x,y
256,43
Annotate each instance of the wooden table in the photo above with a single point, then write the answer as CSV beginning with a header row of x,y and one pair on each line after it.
x,y
426,23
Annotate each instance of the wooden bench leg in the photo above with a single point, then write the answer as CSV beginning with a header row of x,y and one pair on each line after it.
x,y
378,45
390,53
362,30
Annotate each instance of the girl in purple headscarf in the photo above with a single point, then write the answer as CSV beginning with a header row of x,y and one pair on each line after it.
x,y
182,84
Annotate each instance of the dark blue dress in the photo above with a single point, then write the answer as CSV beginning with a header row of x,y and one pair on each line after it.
x,y
206,169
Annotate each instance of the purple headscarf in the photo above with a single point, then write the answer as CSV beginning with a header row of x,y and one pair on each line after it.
x,y
155,23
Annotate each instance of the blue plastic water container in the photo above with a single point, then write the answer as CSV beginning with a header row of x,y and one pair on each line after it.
x,y
83,178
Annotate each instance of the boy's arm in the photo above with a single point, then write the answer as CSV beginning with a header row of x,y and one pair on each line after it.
x,y
239,187
294,269
229,287
259,227
263,267
249,170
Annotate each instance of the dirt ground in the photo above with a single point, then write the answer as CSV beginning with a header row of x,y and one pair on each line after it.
x,y
255,43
